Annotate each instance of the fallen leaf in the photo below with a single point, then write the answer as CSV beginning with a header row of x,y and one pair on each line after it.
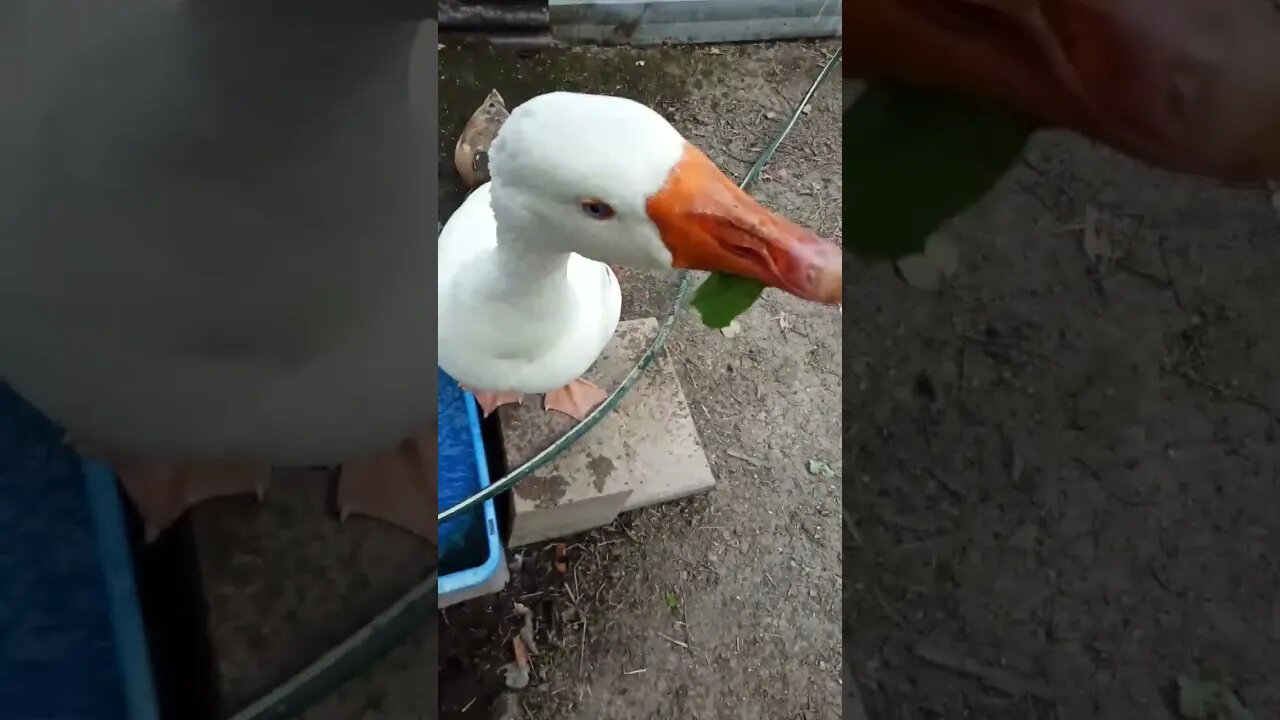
x,y
516,672
1205,700
521,652
731,330
562,554
526,627
517,678
818,467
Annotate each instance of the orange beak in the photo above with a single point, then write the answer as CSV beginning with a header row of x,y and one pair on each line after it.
x,y
708,223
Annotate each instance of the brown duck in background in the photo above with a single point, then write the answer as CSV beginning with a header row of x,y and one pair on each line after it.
x,y
1186,85
471,154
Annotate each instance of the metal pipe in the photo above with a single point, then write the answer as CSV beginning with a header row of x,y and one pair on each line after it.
x,y
491,16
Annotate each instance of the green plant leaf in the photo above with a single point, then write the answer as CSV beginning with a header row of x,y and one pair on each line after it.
x,y
916,157
1205,700
818,467
721,298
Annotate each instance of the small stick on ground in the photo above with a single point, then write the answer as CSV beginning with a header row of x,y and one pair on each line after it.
x,y
889,610
630,536
684,618
996,678
744,458
852,528
674,641
1173,284
1226,394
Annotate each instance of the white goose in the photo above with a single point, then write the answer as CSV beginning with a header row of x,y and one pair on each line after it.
x,y
526,299
194,279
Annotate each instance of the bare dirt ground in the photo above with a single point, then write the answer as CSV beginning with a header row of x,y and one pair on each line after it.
x,y
1062,484
728,605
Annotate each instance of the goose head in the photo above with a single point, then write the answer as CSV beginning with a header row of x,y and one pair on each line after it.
x,y
610,179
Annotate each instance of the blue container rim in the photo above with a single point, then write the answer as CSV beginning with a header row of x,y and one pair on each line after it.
x,y
115,561
466,579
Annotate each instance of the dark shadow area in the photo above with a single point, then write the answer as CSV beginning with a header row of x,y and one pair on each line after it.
x,y
1062,466
491,432
176,620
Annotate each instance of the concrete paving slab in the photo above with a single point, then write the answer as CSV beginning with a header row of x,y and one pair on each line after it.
x,y
647,451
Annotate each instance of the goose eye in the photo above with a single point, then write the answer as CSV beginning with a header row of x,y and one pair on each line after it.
x,y
597,209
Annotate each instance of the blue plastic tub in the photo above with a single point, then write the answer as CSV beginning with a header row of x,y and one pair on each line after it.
x,y
73,645
470,549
